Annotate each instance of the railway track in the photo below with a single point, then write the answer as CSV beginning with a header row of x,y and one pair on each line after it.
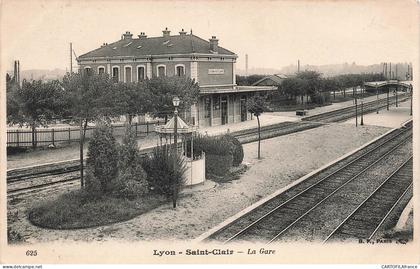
x,y
350,112
28,179
389,194
315,205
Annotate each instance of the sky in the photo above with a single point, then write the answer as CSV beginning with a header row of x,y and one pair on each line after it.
x,y
273,33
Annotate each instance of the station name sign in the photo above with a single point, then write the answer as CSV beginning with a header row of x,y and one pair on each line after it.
x,y
216,71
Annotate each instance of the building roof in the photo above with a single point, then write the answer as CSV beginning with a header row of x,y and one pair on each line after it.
x,y
169,127
277,78
147,46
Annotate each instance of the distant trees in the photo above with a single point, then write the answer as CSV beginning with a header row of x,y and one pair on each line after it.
x,y
306,83
248,80
312,85
354,80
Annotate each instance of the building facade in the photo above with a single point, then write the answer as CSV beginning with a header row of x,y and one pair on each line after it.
x,y
131,59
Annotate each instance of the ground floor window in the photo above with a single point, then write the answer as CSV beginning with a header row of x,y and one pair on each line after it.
x,y
101,70
207,107
224,109
216,106
231,99
243,108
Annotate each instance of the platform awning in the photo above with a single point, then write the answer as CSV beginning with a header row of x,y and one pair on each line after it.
x,y
235,89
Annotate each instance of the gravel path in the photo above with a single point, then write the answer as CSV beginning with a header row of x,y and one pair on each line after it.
x,y
285,159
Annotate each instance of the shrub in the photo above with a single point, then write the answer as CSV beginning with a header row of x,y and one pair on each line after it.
x,y
218,165
210,145
102,161
164,169
220,152
132,179
237,150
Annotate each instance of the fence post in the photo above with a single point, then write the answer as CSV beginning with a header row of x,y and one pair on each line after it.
x,y
17,137
147,128
52,136
136,128
69,135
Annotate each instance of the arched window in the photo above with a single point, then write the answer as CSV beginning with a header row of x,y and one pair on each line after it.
x,y
180,70
161,70
141,72
127,74
116,73
101,70
88,70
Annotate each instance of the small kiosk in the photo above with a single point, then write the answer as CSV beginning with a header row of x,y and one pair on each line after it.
x,y
196,172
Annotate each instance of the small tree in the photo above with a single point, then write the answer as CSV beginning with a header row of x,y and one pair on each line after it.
x,y
163,89
89,97
257,105
102,161
133,99
34,104
132,178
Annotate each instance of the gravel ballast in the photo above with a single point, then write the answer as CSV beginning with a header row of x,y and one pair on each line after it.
x,y
285,159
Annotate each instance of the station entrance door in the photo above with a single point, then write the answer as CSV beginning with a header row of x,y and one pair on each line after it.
x,y
224,107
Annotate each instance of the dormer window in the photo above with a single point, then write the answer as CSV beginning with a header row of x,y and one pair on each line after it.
x,y
126,45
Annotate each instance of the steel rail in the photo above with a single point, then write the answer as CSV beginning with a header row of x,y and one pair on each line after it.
x,y
315,184
335,191
367,198
389,212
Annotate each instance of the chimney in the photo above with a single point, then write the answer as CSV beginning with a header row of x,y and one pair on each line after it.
x,y
166,32
214,44
127,36
142,35
182,33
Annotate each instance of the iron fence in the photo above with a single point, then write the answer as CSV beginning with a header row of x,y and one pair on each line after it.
x,y
53,136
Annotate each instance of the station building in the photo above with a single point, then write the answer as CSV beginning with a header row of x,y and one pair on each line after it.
x,y
130,59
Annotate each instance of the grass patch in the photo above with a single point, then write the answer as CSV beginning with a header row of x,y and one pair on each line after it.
x,y
75,210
